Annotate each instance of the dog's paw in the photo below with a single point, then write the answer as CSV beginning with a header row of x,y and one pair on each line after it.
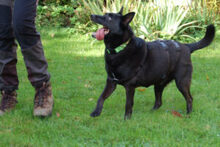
x,y
127,116
95,113
156,106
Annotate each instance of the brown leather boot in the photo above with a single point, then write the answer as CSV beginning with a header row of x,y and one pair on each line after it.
x,y
8,101
43,102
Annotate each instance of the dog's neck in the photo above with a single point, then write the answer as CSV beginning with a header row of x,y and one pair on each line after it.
x,y
113,41
119,48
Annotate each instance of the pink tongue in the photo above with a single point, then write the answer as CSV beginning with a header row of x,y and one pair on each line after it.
x,y
100,34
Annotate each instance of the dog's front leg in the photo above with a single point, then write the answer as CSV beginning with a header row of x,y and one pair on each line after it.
x,y
129,102
109,88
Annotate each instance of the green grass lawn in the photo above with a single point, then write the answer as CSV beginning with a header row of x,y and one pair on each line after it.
x,y
76,65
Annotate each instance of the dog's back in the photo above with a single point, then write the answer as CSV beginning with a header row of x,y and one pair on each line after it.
x,y
166,57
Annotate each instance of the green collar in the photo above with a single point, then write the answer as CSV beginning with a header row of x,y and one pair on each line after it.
x,y
119,48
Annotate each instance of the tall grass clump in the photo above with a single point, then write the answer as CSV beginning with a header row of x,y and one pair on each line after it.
x,y
163,19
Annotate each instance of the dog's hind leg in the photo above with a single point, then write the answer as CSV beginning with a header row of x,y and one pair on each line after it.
x,y
109,88
129,102
183,81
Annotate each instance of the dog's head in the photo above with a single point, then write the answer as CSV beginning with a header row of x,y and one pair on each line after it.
x,y
114,24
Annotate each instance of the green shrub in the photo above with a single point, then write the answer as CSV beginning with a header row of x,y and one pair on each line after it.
x,y
57,2
154,19
162,19
55,15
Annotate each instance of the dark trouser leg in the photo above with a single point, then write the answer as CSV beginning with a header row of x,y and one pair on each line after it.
x,y
32,50
8,57
8,72
36,65
30,42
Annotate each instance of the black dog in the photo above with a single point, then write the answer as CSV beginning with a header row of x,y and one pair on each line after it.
x,y
141,63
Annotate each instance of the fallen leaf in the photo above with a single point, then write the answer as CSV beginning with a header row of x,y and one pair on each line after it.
x,y
175,113
207,77
91,99
77,118
141,89
58,114
87,86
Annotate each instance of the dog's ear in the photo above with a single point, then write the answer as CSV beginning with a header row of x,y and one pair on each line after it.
x,y
126,19
121,11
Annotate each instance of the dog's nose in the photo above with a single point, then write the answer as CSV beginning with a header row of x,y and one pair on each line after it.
x,y
92,16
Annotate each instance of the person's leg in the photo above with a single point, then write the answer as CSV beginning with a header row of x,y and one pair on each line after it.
x,y
32,50
8,58
30,42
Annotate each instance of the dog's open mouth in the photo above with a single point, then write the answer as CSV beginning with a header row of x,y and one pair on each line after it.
x,y
100,33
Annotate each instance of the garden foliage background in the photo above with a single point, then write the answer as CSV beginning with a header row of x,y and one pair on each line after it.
x,y
163,19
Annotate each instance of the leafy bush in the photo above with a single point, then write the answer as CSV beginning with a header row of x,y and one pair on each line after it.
x,y
61,16
161,19
57,2
72,14
55,15
154,18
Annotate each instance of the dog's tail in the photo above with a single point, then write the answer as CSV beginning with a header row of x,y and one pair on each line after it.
x,y
209,36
